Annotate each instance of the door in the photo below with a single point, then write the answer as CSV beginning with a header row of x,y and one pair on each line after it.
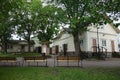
x,y
65,49
22,48
38,49
112,46
94,45
57,49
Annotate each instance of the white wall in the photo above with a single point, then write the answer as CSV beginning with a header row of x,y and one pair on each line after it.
x,y
108,29
37,42
106,37
107,33
65,39
17,48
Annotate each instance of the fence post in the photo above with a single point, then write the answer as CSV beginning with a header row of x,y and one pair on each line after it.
x,y
54,60
67,60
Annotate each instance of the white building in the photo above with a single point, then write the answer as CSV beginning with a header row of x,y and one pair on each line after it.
x,y
19,46
106,36
40,47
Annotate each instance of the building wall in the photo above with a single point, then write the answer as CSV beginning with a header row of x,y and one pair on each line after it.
x,y
106,29
37,42
65,39
106,37
37,45
17,48
106,33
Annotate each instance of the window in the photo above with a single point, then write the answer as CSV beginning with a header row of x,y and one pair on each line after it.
x,y
9,47
103,42
102,26
81,42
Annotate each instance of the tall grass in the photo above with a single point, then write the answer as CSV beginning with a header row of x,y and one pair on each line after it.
x,y
43,73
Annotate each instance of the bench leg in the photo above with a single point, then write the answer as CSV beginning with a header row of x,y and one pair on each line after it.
x,y
11,64
37,64
78,63
46,62
57,63
19,63
28,63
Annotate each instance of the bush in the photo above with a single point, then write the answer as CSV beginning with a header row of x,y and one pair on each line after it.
x,y
116,54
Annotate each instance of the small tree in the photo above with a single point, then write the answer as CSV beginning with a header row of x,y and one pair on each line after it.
x,y
25,19
48,26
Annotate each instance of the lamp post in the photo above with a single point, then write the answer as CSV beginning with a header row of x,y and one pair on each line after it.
x,y
97,40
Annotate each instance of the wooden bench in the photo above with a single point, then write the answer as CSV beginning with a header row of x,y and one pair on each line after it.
x,y
8,60
74,58
35,59
62,58
68,59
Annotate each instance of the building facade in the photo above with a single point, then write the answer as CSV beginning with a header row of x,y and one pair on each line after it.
x,y
19,46
104,36
41,47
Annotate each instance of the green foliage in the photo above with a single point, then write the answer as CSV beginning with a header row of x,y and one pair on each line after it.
x,y
34,18
47,24
6,6
6,26
25,19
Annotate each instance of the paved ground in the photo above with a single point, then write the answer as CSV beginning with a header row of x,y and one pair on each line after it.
x,y
110,62
51,62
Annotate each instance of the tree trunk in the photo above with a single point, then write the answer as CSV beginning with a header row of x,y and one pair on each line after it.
x,y
77,44
5,47
29,44
29,50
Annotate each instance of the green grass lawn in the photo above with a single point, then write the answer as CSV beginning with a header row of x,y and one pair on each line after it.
x,y
19,55
45,73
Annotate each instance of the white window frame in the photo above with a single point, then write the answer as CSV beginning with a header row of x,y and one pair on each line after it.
x,y
104,42
81,42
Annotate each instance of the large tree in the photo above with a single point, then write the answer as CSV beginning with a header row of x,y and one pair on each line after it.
x,y
45,20
79,14
6,28
35,18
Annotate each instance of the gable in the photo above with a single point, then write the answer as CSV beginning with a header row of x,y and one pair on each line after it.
x,y
108,29
65,35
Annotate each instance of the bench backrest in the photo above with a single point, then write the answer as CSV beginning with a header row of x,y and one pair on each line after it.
x,y
7,58
34,58
68,58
